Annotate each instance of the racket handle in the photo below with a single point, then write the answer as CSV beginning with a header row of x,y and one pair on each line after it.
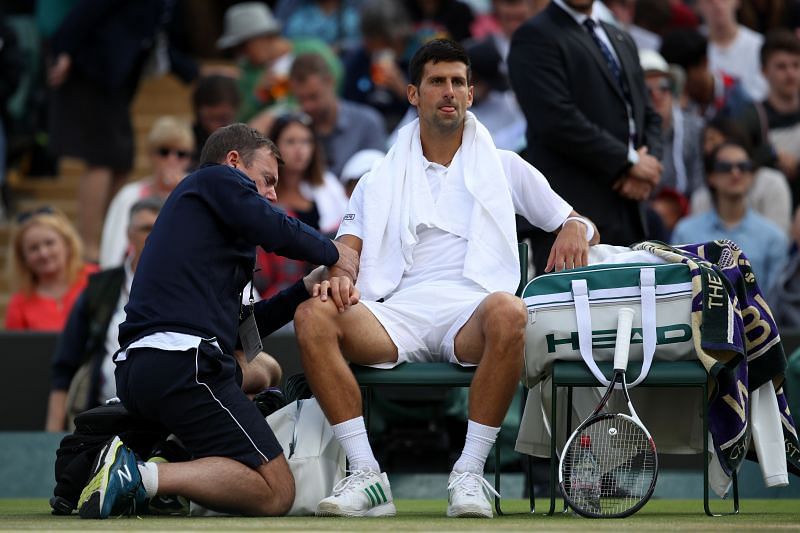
x,y
622,347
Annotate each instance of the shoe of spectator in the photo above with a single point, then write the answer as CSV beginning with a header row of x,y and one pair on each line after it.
x,y
469,496
362,493
115,486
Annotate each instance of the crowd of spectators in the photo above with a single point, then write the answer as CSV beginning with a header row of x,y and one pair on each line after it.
x,y
327,81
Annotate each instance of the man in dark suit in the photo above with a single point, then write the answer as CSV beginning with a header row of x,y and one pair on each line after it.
x,y
591,129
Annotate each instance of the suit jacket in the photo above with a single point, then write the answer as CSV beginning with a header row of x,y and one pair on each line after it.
x,y
578,127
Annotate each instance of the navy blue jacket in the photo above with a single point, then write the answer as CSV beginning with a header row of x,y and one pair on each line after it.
x,y
201,253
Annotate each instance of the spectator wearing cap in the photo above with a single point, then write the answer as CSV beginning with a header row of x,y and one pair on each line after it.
x,y
358,165
681,132
342,127
170,145
253,34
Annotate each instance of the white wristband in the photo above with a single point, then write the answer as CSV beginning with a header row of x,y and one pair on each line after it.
x,y
585,222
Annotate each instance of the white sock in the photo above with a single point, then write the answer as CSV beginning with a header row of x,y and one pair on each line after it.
x,y
352,435
149,473
477,446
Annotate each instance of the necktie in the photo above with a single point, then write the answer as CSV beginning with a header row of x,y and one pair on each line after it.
x,y
613,66
616,71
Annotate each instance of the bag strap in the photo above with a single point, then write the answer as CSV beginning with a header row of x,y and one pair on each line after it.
x,y
580,296
647,285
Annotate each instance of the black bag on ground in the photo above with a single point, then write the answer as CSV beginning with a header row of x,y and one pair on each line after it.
x,y
76,455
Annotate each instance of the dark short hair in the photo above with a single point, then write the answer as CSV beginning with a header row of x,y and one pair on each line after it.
x,y
731,130
684,47
215,90
309,64
149,203
437,50
239,137
779,40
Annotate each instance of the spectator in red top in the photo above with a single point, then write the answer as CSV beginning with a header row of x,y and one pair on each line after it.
x,y
48,269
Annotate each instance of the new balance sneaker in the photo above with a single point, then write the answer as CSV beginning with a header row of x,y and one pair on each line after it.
x,y
115,487
469,496
362,493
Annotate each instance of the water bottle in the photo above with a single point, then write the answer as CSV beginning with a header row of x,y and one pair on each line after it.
x,y
586,477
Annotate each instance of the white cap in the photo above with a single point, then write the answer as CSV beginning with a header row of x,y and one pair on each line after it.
x,y
245,21
359,164
652,61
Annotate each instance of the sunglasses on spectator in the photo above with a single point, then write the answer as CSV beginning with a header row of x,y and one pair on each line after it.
x,y
728,166
662,86
164,152
27,215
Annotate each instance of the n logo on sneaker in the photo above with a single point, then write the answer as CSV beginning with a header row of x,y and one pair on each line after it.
x,y
124,474
375,494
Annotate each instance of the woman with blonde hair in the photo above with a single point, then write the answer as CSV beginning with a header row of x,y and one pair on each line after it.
x,y
170,146
48,269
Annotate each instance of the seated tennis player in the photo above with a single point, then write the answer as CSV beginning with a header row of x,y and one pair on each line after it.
x,y
434,225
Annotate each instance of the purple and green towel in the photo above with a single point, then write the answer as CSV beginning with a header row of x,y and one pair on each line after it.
x,y
736,340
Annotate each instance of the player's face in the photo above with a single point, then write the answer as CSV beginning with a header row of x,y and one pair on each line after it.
x,y
443,95
263,170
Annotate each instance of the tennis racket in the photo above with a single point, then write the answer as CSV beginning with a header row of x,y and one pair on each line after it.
x,y
609,466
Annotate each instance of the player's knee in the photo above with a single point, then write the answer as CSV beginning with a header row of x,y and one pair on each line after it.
x,y
506,313
309,313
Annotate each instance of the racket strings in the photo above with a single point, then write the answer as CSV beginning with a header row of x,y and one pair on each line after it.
x,y
610,466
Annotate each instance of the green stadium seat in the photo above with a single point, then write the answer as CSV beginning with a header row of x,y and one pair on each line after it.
x,y
431,374
573,374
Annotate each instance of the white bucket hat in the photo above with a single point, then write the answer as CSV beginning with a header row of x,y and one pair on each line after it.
x,y
653,62
245,21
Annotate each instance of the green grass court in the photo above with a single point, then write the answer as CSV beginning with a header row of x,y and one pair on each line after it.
x,y
428,515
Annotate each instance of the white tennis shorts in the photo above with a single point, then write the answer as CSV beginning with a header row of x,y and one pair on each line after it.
x,y
424,320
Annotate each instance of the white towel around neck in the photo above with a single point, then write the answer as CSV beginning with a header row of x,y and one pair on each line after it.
x,y
398,202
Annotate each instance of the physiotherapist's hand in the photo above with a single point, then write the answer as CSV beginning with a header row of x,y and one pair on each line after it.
x,y
314,278
341,290
347,265
571,249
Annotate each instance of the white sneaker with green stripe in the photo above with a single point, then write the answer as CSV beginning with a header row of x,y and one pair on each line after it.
x,y
362,493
